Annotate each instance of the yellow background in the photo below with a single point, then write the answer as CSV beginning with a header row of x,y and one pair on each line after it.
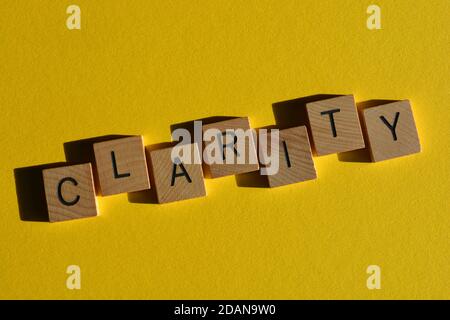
x,y
136,67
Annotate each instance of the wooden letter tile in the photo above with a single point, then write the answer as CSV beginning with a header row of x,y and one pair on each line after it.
x,y
334,125
390,130
178,180
121,165
236,163
295,158
69,192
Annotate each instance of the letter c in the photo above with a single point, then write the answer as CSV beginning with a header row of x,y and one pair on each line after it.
x,y
60,196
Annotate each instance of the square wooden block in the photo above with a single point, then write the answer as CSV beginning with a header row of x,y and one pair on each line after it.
x,y
295,161
69,192
121,165
179,180
334,125
233,161
390,130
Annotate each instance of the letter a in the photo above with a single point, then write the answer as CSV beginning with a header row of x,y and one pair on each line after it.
x,y
374,20
74,20
74,280
374,280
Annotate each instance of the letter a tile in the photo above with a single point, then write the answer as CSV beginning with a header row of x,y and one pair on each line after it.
x,y
180,179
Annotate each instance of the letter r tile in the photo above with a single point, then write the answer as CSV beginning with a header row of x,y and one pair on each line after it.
x,y
234,161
